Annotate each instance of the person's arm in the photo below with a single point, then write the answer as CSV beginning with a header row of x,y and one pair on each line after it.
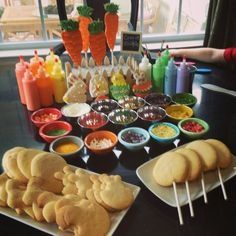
x,y
210,55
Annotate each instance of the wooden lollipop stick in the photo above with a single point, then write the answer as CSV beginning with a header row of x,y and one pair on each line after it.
x,y
222,184
86,59
189,199
112,59
177,203
203,188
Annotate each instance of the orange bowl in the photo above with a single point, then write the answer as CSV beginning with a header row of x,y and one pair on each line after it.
x,y
101,142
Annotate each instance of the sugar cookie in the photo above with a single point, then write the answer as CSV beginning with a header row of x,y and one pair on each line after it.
x,y
206,152
170,167
223,152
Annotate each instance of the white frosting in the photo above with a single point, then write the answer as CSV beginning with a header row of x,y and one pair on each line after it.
x,y
75,109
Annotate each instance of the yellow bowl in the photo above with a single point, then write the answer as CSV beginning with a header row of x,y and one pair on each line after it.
x,y
178,112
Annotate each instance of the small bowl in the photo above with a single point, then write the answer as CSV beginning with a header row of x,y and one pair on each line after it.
x,y
178,112
166,134
105,106
45,115
158,99
92,120
151,113
123,116
74,110
186,99
55,146
50,131
193,134
130,138
100,135
131,102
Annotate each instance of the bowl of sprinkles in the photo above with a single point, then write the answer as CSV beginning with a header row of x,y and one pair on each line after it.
x,y
131,102
193,128
101,142
105,105
45,115
185,99
133,138
158,99
55,129
164,132
178,112
66,146
123,116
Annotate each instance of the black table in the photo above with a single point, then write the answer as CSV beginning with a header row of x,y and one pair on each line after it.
x,y
148,215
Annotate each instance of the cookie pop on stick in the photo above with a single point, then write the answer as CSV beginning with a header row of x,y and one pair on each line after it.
x,y
85,19
111,26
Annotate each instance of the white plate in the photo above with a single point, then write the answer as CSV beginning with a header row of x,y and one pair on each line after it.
x,y
53,229
166,194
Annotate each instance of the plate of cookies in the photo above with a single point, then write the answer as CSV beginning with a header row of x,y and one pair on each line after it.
x,y
188,171
61,199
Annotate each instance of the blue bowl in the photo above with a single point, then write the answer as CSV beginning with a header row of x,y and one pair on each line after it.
x,y
133,138
164,132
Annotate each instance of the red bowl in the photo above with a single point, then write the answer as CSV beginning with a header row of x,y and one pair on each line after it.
x,y
45,115
55,129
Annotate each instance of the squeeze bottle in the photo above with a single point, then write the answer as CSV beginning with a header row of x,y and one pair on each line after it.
x,y
146,67
34,63
158,73
165,56
44,85
49,62
170,77
182,83
58,82
20,70
31,91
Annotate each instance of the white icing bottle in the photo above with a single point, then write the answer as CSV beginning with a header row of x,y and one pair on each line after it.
x,y
146,67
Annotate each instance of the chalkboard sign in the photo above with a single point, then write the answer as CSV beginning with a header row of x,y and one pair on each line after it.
x,y
131,42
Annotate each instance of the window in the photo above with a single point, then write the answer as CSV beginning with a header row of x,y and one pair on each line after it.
x,y
35,24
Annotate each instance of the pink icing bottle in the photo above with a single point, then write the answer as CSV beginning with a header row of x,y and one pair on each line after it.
x,y
31,91
20,70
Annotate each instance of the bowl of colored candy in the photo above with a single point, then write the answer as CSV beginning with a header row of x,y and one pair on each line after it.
x,y
193,128
101,142
131,102
92,120
133,138
55,129
66,146
45,115
158,99
178,112
105,106
164,132
184,98
123,116
151,113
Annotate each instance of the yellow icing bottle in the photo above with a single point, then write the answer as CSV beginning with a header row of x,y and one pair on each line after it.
x,y
50,61
58,81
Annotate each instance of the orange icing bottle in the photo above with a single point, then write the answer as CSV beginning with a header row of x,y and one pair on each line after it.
x,y
20,70
59,82
31,91
44,85
34,63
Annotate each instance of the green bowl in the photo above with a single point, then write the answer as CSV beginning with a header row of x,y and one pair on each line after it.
x,y
193,134
184,98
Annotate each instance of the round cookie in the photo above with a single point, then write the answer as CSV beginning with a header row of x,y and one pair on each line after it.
x,y
44,165
170,167
206,152
223,153
24,159
195,165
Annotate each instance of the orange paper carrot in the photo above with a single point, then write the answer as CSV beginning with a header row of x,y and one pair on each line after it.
x,y
111,23
72,40
85,19
97,41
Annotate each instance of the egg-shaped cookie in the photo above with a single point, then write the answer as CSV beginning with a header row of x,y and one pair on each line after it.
x,y
170,167
206,152
223,152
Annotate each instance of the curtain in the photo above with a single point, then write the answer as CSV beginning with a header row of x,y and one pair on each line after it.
x,y
221,24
